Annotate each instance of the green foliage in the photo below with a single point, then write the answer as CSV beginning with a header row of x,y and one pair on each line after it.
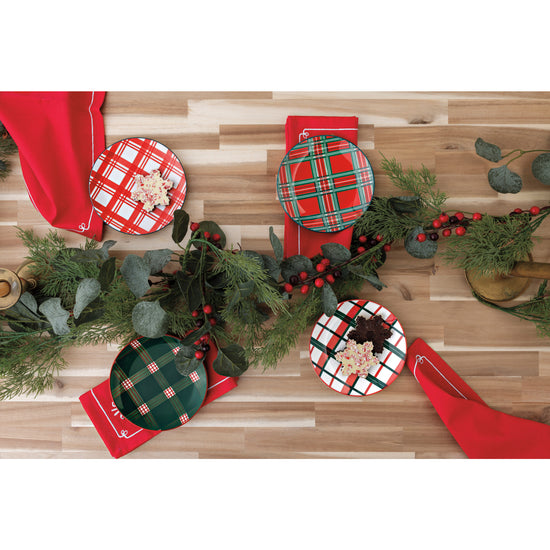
x,y
487,150
426,249
150,320
493,244
503,180
180,225
541,168
231,361
7,148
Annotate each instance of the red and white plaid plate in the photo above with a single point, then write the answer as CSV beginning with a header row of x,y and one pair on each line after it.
x,y
329,336
112,181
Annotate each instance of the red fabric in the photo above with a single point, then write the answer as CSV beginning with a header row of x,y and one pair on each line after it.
x,y
297,239
482,432
122,436
59,136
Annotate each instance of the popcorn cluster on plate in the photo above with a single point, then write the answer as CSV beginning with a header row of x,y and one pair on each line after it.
x,y
357,358
151,190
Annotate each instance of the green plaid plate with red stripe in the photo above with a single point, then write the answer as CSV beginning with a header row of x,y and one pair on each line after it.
x,y
147,388
329,336
325,183
112,182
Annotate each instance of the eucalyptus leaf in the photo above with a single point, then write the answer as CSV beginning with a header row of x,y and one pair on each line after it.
x,y
218,281
541,168
230,361
503,180
157,259
330,301
107,273
294,265
276,245
194,294
29,301
405,205
372,278
104,250
85,256
150,320
185,360
487,150
56,315
213,228
241,291
93,313
180,225
88,290
337,253
426,249
272,267
135,271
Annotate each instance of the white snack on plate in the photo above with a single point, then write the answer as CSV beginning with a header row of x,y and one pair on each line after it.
x,y
151,190
357,358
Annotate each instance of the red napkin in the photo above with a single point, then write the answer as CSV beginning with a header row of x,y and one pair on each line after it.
x,y
122,436
59,136
299,240
481,431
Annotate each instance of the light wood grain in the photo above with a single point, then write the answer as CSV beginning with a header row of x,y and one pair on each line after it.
x,y
231,145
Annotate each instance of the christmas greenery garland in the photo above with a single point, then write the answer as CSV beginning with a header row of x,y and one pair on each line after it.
x,y
252,306
7,148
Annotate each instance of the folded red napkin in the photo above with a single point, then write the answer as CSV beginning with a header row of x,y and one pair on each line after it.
x,y
122,436
481,431
59,135
299,240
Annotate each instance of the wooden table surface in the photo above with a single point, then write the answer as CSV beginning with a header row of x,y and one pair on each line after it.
x,y
230,145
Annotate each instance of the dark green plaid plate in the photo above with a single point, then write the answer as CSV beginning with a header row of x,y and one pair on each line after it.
x,y
147,388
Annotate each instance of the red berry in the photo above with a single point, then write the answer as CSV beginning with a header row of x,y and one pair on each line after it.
x,y
320,267
204,338
477,216
534,210
518,210
379,237
194,226
446,232
319,282
443,218
288,287
206,235
460,230
436,224
304,289
199,354
421,237
361,249
194,313
207,309
216,237
459,216
330,278
197,342
303,275
212,321
363,239
387,247
325,261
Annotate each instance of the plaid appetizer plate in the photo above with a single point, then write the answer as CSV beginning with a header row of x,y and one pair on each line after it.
x,y
330,335
147,388
325,183
112,181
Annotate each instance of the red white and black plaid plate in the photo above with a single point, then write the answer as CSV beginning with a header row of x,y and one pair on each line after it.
x,y
112,182
325,183
329,336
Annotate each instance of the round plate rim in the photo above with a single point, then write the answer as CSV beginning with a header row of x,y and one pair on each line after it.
x,y
317,230
358,301
203,372
90,183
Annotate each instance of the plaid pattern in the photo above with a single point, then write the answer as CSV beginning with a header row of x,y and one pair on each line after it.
x,y
325,183
111,185
147,388
329,337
